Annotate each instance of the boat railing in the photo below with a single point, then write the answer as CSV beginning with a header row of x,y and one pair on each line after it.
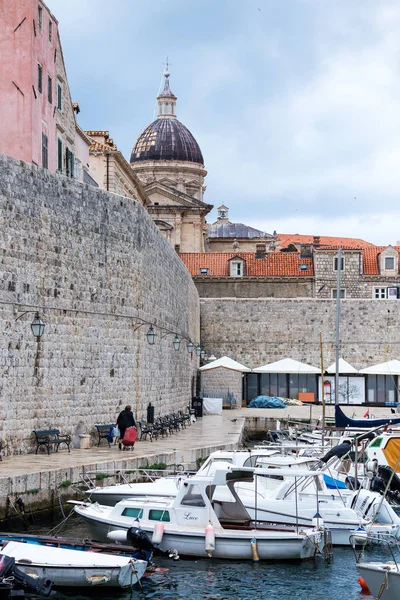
x,y
359,539
91,479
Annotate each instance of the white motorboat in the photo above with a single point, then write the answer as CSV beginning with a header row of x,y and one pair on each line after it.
x,y
75,568
195,523
169,486
285,490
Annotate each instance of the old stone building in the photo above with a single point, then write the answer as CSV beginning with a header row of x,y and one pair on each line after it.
x,y
370,272
111,170
169,163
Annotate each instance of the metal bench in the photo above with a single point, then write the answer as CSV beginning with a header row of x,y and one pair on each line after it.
x,y
104,433
51,438
146,429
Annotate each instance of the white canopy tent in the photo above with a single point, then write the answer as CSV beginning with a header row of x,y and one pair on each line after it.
x,y
288,365
392,367
344,367
226,363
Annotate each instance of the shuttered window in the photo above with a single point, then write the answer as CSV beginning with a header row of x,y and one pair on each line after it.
x,y
59,97
45,151
49,89
40,78
59,155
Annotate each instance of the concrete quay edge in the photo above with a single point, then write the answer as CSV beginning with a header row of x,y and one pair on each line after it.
x,y
43,481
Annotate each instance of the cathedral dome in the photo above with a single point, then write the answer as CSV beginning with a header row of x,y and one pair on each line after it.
x,y
166,138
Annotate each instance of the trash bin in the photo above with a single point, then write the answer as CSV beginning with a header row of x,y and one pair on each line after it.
x,y
150,413
197,405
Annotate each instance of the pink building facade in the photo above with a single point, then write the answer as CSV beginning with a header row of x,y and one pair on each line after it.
x,y
28,82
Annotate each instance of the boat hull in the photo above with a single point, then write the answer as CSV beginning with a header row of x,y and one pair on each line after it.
x,y
229,544
74,568
377,574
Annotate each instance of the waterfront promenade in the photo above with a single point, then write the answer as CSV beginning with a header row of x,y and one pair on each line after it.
x,y
36,478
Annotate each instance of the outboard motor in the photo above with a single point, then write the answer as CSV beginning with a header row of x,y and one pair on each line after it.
x,y
41,587
139,538
366,503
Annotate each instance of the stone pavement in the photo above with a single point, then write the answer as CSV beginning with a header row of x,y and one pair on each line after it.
x,y
42,481
211,431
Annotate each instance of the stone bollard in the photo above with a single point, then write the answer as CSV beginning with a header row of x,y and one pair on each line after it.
x,y
84,441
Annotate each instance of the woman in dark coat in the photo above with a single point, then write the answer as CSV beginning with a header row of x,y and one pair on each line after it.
x,y
125,420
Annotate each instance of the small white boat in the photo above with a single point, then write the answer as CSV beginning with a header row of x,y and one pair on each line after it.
x,y
74,568
196,524
382,578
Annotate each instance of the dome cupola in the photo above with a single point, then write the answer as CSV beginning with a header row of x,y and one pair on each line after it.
x,y
166,138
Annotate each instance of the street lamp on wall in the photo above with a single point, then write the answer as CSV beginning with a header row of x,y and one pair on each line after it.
x,y
190,347
151,335
176,343
198,350
37,327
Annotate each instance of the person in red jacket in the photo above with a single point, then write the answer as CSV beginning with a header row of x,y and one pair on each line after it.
x,y
125,420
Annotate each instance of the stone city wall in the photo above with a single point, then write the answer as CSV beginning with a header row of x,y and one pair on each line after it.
x,y
262,330
252,287
89,262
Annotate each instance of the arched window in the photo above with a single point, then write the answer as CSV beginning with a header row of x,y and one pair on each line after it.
x,y
166,108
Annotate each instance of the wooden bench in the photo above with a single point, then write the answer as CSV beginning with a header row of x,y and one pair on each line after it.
x,y
51,438
104,433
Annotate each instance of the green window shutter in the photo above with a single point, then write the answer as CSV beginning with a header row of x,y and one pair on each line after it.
x,y
59,155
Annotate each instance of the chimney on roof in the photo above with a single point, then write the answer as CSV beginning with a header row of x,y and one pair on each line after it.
x,y
316,240
305,250
261,250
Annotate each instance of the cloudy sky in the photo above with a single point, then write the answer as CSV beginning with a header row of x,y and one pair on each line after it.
x,y
294,103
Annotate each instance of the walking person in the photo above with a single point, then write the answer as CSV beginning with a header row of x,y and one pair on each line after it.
x,y
125,420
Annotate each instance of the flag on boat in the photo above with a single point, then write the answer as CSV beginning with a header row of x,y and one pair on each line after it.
x,y
366,415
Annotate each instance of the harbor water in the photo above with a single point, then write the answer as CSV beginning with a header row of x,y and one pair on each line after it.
x,y
211,579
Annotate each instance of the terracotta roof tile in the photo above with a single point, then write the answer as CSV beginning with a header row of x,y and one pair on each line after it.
x,y
275,264
370,259
294,238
